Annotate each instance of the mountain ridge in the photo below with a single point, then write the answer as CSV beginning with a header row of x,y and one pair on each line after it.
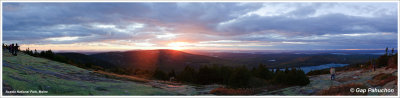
x,y
164,59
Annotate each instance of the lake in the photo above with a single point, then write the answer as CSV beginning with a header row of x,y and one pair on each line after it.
x,y
307,69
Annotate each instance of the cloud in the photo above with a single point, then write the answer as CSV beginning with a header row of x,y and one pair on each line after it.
x,y
323,24
157,24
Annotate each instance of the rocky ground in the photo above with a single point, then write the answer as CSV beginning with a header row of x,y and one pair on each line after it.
x,y
323,82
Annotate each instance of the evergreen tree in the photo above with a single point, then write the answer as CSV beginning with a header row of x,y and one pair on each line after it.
x,y
262,72
171,73
240,78
286,70
386,51
159,74
300,78
187,75
36,53
224,74
204,75
279,77
392,51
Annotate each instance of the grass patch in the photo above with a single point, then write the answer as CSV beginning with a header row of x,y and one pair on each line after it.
x,y
124,77
24,72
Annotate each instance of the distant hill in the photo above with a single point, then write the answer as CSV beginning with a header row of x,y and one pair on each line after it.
x,y
163,59
86,59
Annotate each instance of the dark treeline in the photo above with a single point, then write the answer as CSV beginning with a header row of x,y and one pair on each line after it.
x,y
48,54
237,77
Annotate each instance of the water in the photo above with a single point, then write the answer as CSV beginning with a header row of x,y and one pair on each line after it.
x,y
307,69
324,66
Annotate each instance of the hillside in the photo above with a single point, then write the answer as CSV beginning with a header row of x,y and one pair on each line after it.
x,y
165,60
86,59
24,72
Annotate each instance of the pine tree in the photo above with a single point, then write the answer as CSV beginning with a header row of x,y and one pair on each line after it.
x,y
187,75
240,78
386,51
392,51
159,74
171,73
204,75
36,53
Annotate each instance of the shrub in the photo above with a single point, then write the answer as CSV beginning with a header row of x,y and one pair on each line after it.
x,y
159,74
255,82
381,79
239,78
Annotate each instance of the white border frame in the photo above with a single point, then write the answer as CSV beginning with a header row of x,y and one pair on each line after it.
x,y
79,1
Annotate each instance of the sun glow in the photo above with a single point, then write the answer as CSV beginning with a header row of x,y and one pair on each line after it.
x,y
178,45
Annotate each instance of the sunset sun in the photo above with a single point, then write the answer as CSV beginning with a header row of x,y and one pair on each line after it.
x,y
177,45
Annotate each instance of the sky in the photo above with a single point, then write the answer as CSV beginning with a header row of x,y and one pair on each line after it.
x,y
201,26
